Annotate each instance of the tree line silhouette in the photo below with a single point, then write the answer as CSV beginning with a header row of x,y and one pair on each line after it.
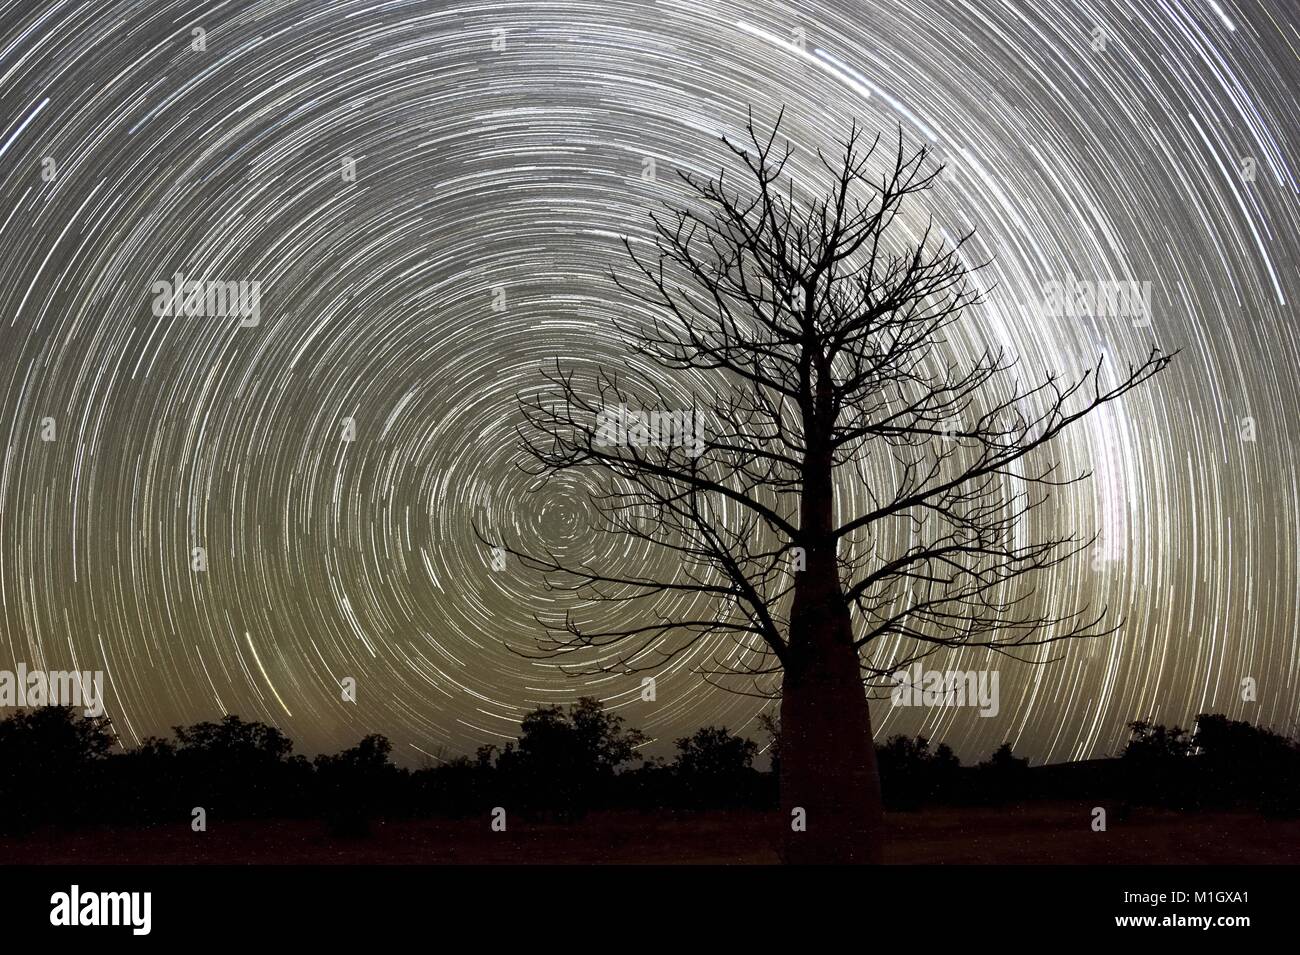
x,y
58,767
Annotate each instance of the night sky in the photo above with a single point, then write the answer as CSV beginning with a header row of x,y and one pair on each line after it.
x,y
501,152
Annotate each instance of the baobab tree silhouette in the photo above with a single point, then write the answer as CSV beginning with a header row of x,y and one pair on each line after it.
x,y
819,331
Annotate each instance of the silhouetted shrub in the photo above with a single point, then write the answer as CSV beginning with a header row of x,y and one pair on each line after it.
x,y
912,776
714,768
565,763
1000,778
51,766
58,767
358,784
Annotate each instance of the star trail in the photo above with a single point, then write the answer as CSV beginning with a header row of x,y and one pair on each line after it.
x,y
237,515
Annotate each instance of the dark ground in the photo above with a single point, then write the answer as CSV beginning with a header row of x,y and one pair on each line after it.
x,y
1056,833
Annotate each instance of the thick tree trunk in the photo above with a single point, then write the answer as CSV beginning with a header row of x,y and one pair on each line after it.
x,y
830,789
828,758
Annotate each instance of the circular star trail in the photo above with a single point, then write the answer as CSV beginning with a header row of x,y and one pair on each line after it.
x,y
430,197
